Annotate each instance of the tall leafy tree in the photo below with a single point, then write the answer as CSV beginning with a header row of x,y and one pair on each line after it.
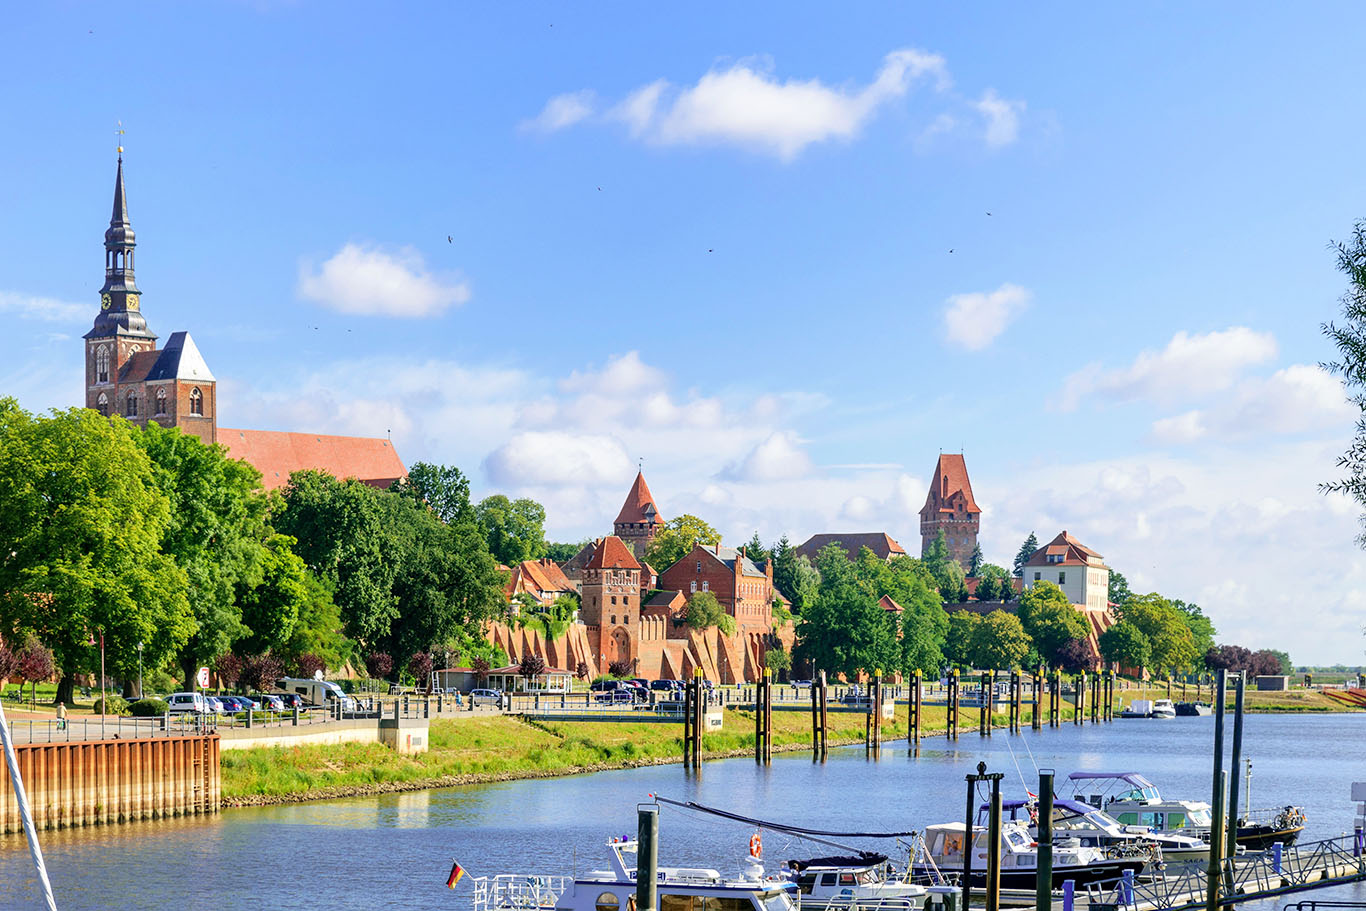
x,y
999,641
1349,337
217,534
1201,627
922,623
513,529
1027,549
844,630
1119,588
1124,644
703,611
562,551
755,550
993,583
81,525
444,488
794,575
958,644
1050,619
1173,646
270,608
676,539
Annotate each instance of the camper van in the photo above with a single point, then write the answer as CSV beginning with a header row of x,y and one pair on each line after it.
x,y
316,692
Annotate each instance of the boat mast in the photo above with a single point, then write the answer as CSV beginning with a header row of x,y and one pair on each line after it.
x,y
25,813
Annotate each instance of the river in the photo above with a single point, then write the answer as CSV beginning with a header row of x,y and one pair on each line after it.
x,y
394,851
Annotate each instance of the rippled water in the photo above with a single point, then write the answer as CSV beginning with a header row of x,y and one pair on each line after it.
x,y
394,851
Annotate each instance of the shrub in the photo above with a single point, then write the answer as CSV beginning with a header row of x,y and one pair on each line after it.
x,y
147,708
309,664
116,705
379,664
619,669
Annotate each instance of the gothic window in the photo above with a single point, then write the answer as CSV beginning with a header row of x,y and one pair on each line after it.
x,y
196,401
131,406
694,587
102,364
102,404
706,586
161,401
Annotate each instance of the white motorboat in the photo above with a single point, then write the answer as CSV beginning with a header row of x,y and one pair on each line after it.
x,y
867,880
1149,708
1095,828
942,854
614,889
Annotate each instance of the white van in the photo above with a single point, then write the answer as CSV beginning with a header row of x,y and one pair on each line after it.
x,y
316,692
192,703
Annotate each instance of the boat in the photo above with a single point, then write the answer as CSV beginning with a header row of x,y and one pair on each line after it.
x,y
942,854
614,889
867,879
1193,709
1149,708
1134,800
1095,828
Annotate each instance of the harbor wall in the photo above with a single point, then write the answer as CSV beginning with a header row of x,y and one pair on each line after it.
x,y
100,782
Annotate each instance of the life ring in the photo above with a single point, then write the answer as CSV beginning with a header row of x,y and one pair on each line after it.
x,y
756,846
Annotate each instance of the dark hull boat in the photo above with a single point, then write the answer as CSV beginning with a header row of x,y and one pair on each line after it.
x,y
1192,709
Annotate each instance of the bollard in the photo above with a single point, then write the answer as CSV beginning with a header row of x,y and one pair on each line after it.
x,y
296,716
1276,850
1240,681
1356,842
438,702
249,714
1043,872
1126,888
647,858
1069,889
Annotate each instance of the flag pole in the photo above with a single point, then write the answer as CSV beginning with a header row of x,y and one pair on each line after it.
x,y
25,813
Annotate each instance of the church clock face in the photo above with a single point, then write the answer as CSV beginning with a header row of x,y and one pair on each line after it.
x,y
132,302
105,301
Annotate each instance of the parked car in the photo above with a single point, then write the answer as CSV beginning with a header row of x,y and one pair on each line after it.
x,y
216,705
486,697
640,682
801,684
599,686
270,702
187,703
666,685
293,701
233,704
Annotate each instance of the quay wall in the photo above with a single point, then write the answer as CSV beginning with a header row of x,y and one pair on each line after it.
x,y
101,782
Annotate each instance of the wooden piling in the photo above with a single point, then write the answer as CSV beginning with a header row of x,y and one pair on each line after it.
x,y
1036,715
916,703
1079,700
984,705
951,729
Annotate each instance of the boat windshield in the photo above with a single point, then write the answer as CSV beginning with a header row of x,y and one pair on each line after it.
x,y
1201,817
1064,819
1139,794
773,901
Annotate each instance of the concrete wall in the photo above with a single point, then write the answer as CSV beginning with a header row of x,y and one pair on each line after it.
x,y
98,782
361,730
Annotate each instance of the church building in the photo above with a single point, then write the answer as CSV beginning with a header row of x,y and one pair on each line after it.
x,y
127,374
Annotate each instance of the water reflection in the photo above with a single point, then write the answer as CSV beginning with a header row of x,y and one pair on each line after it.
x,y
395,850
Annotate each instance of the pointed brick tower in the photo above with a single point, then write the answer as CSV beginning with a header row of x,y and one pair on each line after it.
x,y
639,520
949,507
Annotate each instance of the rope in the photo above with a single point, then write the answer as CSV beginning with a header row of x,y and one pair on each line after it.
x,y
778,826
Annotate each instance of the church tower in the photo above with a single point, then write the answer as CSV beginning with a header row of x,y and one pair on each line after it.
x,y
125,373
639,520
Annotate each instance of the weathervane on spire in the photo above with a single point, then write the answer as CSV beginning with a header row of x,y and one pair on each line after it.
x,y
119,132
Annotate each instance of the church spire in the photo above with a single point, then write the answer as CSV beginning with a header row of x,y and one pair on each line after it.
x,y
120,304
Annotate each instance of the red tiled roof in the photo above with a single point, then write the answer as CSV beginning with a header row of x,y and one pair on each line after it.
x,y
950,477
276,453
1072,552
612,553
634,510
889,605
539,576
879,542
510,669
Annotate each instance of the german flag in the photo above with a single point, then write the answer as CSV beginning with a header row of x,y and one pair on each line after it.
x,y
457,871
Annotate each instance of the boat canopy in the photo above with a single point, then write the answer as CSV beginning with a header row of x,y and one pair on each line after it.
x,y
1132,778
862,859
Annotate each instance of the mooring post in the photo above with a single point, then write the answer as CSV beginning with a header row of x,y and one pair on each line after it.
x,y
1079,701
983,704
1126,892
1043,880
1036,716
825,716
1169,687
994,848
917,685
699,718
1235,763
1069,891
951,721
759,719
647,858
1056,720
1216,841
1095,697
768,715
815,720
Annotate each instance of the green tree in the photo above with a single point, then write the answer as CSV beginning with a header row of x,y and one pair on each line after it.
x,y
269,609
975,561
755,550
563,551
1050,619
444,488
958,644
1287,666
794,575
703,611
922,624
987,589
319,629
844,630
513,529
675,539
1027,549
993,583
217,534
999,642
777,660
341,534
1349,337
81,526
1119,589
1202,629
1173,646
1124,644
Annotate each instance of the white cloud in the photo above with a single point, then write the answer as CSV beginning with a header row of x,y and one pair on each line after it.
x,y
1297,399
746,105
562,111
778,458
48,309
540,458
1190,365
973,321
375,282
1002,117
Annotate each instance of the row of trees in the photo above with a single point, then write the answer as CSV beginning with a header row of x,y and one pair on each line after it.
x,y
175,554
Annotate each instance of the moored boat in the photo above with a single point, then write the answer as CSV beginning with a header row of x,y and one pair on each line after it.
x,y
943,851
867,880
1095,828
1193,709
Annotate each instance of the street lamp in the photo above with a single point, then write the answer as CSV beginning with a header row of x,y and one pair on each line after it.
x,y
139,669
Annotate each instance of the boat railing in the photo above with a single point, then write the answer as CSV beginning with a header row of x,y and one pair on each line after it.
x,y
515,890
854,903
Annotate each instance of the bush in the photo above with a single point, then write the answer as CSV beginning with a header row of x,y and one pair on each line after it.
x,y
116,705
147,708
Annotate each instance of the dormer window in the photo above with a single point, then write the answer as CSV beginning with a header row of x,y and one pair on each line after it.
x,y
1055,558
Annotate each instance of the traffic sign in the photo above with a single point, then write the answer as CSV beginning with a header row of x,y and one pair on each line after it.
x,y
202,678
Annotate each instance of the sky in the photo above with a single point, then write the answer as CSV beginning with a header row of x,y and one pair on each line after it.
x,y
781,254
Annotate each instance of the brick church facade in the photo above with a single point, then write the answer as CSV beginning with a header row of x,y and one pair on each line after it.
x,y
126,374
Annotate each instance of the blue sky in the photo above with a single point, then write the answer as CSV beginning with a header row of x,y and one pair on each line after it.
x,y
749,244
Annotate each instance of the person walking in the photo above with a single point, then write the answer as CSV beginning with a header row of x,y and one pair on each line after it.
x,y
61,716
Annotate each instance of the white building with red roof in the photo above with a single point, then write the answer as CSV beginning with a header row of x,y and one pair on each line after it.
x,y
1073,567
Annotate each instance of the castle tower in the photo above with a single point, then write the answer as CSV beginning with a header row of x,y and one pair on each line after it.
x,y
125,373
639,520
950,507
610,602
